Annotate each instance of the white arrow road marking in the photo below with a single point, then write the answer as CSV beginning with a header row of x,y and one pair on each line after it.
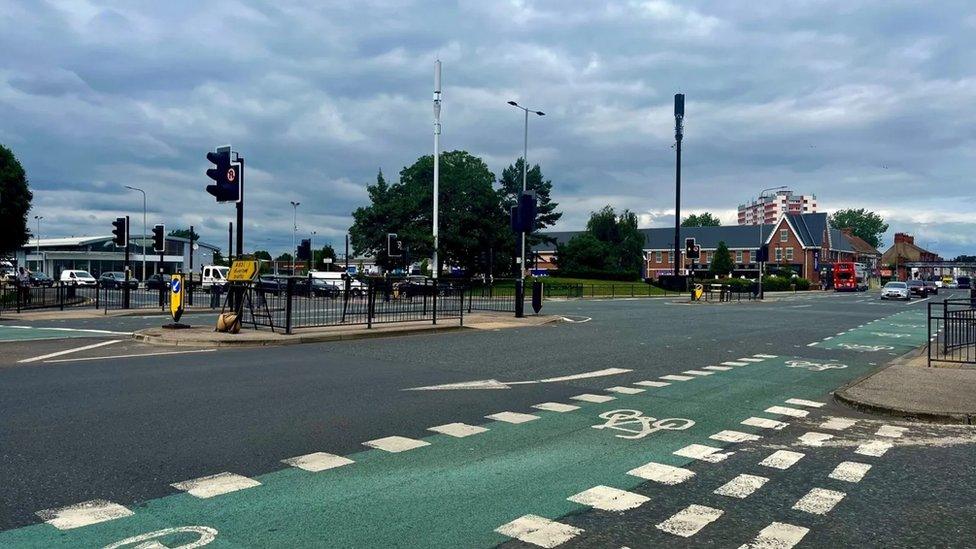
x,y
69,351
495,384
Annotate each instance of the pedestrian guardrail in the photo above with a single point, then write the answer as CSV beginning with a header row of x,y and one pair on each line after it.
x,y
952,331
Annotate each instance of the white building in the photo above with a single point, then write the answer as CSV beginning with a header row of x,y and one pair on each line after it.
x,y
770,208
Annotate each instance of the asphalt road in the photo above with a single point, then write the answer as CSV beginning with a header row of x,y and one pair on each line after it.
x,y
121,422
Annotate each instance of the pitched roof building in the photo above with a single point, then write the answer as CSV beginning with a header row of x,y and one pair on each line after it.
x,y
903,250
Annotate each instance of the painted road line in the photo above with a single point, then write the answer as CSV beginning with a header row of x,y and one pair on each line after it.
x,y
555,407
717,368
735,363
690,520
766,356
112,357
777,535
496,384
606,498
458,430
811,344
734,436
850,471
787,411
702,452
819,501
83,514
396,444
652,383
512,417
782,459
661,473
215,485
672,377
698,373
764,423
837,423
625,390
539,531
814,439
597,399
69,351
741,486
748,359
802,402
891,431
79,330
873,448
317,461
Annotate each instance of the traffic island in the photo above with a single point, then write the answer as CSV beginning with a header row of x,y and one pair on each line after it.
x,y
205,336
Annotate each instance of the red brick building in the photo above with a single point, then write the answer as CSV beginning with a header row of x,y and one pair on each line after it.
x,y
903,250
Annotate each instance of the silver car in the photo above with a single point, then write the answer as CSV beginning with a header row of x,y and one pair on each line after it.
x,y
896,290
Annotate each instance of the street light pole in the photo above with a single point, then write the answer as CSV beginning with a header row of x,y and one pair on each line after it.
x,y
761,222
435,266
294,232
143,228
311,249
525,171
38,218
679,115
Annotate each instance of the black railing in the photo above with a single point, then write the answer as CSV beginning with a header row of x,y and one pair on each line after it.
x,y
497,295
608,290
952,331
66,295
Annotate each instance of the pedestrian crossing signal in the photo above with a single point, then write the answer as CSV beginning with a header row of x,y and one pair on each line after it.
x,y
394,246
226,175
692,250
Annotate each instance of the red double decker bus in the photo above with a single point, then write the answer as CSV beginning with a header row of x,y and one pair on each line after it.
x,y
850,277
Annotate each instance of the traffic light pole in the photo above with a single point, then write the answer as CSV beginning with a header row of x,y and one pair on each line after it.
x,y
125,292
679,112
188,288
240,214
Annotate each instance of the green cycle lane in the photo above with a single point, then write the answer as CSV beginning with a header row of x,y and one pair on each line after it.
x,y
892,335
456,491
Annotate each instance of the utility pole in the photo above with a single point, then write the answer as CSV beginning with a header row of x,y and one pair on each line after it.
x,y
679,115
435,266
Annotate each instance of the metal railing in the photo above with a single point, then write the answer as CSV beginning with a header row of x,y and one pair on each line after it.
x,y
610,290
952,331
64,295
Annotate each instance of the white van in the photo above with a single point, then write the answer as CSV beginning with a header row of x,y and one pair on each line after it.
x,y
214,275
77,278
337,280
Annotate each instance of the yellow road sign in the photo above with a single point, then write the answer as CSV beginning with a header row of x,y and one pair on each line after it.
x,y
176,294
243,270
696,294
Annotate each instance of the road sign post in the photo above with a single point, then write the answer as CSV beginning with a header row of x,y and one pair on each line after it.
x,y
177,293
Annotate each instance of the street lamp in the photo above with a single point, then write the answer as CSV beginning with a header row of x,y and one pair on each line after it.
x,y
38,218
143,229
761,221
294,232
525,167
311,248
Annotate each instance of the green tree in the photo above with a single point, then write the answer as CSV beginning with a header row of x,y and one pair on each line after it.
x,y
611,243
510,185
704,219
184,233
867,225
966,258
15,202
722,263
262,254
327,252
218,259
284,257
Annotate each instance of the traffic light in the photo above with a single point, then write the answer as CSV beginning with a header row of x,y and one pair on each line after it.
x,y
120,231
227,176
523,215
394,247
304,252
763,255
159,238
692,250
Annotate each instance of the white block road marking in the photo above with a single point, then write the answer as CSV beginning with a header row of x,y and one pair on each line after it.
x,y
625,390
717,368
766,356
396,444
690,520
318,461
555,407
69,351
702,452
837,423
891,431
593,398
734,436
814,439
606,498
458,430
777,535
764,423
787,411
698,373
83,514
812,344
850,471
874,448
747,359
741,486
539,531
807,403
828,338
672,377
819,501
782,459
661,473
215,485
734,363
652,383
512,417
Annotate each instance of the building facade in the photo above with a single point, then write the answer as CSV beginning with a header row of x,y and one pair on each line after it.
x,y
769,209
904,250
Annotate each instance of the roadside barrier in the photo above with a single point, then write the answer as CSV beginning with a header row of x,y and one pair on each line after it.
x,y
952,331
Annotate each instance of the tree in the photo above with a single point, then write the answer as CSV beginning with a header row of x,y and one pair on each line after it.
x,y
217,258
184,233
262,254
511,186
965,258
611,243
704,219
320,255
15,202
722,264
284,257
867,225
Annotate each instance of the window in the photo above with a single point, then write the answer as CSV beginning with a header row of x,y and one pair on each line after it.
x,y
658,258
789,254
779,254
738,256
704,257
784,235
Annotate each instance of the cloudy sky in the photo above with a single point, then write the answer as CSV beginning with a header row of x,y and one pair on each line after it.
x,y
865,104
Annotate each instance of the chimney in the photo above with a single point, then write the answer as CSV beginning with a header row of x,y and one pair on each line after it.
x,y
904,237
848,231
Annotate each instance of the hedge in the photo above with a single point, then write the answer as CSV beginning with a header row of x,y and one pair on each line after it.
x,y
597,275
770,283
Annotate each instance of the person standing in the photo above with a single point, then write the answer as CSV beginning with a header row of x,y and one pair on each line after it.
x,y
23,285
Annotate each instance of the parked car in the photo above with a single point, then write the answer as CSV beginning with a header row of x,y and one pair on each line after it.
x,y
271,284
932,287
213,275
964,282
896,290
37,278
72,277
917,287
116,279
157,281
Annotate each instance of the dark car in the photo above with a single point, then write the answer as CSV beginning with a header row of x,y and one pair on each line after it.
x,y
158,281
964,283
932,287
115,279
271,284
37,278
917,287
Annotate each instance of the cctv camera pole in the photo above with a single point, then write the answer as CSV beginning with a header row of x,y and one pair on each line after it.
x,y
435,266
679,114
